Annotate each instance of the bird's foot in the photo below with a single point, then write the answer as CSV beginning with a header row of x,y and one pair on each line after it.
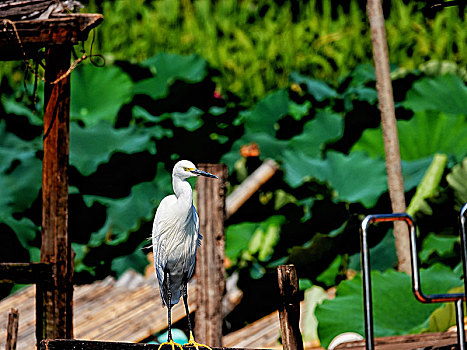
x,y
171,343
193,343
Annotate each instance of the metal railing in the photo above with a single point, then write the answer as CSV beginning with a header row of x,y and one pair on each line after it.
x,y
456,298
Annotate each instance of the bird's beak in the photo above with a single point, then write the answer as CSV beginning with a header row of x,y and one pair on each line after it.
x,y
203,173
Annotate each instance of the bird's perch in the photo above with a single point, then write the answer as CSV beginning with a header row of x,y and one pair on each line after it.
x,y
210,272
289,308
67,344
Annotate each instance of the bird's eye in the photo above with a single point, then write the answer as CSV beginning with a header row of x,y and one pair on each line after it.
x,y
186,169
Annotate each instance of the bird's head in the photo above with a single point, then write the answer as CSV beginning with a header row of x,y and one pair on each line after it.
x,y
185,169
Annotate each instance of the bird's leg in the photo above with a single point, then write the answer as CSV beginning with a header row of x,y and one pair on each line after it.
x,y
168,303
192,341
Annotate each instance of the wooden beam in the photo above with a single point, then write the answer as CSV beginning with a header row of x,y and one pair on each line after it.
x,y
12,330
68,344
25,273
289,308
35,34
210,271
55,299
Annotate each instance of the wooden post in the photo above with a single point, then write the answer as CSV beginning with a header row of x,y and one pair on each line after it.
x,y
389,127
55,298
12,330
289,308
210,272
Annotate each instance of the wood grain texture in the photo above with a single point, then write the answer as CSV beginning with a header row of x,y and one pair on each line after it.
x,y
55,302
289,307
210,271
12,331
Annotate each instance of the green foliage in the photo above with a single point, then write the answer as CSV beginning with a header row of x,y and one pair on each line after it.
x,y
446,93
456,179
442,246
382,256
354,178
94,145
92,99
444,317
122,152
255,46
392,297
428,187
167,68
262,238
425,134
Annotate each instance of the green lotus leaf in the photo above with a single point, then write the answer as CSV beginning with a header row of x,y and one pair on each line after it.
x,y
443,246
190,120
446,93
324,128
98,93
168,68
457,181
317,88
392,297
125,215
94,145
354,178
425,134
262,118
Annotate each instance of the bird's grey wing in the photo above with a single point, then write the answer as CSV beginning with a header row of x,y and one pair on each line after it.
x,y
161,229
197,244
158,249
196,220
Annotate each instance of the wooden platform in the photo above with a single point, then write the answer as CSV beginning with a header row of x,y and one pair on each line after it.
x,y
91,345
429,341
127,310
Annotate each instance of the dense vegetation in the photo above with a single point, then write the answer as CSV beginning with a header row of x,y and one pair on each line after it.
x,y
134,118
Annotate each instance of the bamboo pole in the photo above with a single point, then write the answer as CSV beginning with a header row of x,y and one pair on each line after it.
x,y
248,187
389,127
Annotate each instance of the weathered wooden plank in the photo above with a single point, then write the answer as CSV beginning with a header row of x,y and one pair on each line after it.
x,y
17,10
12,331
25,273
69,344
35,34
262,333
406,342
210,271
289,308
55,299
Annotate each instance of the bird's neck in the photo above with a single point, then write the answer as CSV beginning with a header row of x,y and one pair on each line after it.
x,y
183,192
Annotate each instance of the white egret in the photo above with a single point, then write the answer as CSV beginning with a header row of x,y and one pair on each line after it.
x,y
175,239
